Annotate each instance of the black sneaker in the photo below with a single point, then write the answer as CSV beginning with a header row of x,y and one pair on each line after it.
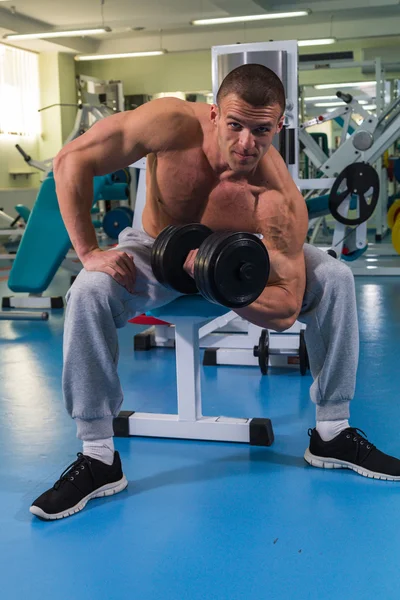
x,y
351,450
85,479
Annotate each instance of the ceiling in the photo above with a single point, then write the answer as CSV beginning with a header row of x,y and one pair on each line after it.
x,y
166,23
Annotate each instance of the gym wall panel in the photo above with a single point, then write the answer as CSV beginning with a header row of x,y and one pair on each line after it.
x,y
11,159
68,94
51,139
180,71
190,71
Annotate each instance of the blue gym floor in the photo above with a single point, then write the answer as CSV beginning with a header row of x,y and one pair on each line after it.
x,y
200,521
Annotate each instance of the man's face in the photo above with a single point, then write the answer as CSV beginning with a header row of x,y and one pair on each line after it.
x,y
245,132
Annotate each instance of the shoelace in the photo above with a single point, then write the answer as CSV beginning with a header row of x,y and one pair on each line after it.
x,y
358,435
360,438
73,470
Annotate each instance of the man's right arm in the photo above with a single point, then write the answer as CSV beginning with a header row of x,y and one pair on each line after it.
x,y
112,144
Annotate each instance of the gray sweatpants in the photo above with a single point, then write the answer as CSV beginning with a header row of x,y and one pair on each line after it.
x,y
97,305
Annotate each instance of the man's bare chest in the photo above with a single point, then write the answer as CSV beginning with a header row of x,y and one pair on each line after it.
x,y
183,187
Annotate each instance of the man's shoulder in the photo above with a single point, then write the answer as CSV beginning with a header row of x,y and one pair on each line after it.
x,y
175,114
174,108
164,124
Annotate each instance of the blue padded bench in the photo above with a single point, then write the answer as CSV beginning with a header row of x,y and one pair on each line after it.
x,y
188,313
45,242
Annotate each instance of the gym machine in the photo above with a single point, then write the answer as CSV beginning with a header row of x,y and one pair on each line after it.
x,y
358,190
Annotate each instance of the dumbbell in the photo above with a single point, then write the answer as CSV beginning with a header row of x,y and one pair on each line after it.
x,y
231,268
393,219
263,352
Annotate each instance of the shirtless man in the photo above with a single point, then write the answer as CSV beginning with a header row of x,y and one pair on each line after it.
x,y
213,165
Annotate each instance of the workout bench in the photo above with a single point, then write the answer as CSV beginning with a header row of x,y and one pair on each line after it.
x,y
189,313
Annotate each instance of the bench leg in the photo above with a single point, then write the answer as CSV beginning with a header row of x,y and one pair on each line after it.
x,y
189,423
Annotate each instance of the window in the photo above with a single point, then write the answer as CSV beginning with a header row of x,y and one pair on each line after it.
x,y
19,92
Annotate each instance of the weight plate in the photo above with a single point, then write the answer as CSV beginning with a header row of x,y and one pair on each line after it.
x,y
128,211
303,354
356,179
115,221
232,269
262,351
396,236
169,254
121,176
202,262
157,254
393,213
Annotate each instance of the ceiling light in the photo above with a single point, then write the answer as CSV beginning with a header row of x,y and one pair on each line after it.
x,y
370,107
320,42
336,103
326,104
330,86
223,20
313,98
124,55
56,34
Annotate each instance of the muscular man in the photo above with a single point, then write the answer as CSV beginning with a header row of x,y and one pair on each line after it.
x,y
213,165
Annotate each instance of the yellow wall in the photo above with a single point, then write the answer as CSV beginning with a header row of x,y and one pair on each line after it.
x,y
11,159
68,95
189,71
51,138
181,71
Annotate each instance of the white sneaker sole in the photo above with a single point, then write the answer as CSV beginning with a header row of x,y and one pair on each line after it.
x,y
334,463
105,490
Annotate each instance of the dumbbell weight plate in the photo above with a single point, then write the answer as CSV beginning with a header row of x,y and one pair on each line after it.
x,y
169,254
262,351
203,259
157,253
232,269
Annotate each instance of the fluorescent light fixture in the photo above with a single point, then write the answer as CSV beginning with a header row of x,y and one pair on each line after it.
x,y
314,98
370,107
56,34
246,18
326,104
124,55
337,103
321,42
331,86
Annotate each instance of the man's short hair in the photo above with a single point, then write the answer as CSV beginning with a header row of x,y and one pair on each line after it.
x,y
255,84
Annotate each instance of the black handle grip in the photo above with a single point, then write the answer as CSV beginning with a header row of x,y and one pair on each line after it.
x,y
26,156
347,98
